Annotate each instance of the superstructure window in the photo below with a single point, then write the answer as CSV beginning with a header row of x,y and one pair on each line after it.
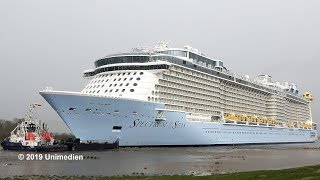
x,y
133,67
135,84
72,109
138,79
131,90
176,53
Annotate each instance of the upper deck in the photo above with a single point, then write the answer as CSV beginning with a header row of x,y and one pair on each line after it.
x,y
160,56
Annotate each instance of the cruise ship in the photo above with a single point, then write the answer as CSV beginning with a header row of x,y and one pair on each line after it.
x,y
163,96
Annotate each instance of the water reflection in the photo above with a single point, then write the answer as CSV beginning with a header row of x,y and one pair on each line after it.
x,y
182,160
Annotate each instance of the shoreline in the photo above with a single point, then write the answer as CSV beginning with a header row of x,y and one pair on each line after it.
x,y
305,172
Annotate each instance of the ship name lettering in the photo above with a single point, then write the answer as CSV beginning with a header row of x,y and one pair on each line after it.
x,y
156,124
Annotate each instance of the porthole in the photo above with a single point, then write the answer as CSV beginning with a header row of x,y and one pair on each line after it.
x,y
117,90
131,90
94,86
134,73
106,90
98,91
121,84
110,90
123,90
123,74
118,74
110,85
111,75
130,79
127,84
107,80
138,79
119,79
102,81
115,85
114,79
98,86
93,91
141,73
129,73
135,84
124,79
102,86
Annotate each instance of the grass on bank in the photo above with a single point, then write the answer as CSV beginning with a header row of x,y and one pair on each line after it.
x,y
308,172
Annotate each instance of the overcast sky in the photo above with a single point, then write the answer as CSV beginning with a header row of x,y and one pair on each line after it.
x,y
50,43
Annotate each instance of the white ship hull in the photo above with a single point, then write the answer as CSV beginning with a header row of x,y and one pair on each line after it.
x,y
134,123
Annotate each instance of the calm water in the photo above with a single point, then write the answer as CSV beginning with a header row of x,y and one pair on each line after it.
x,y
182,160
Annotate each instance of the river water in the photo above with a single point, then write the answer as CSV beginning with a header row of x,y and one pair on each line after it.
x,y
169,161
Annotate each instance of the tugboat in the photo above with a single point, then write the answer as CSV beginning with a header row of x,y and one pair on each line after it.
x,y
78,145
31,135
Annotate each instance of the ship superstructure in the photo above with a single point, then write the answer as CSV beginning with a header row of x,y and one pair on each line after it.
x,y
158,96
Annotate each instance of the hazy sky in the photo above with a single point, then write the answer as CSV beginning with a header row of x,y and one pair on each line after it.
x,y
50,43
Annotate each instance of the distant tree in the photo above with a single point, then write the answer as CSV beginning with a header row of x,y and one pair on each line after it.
x,y
7,126
63,137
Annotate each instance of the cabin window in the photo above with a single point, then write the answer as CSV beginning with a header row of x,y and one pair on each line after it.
x,y
72,109
117,127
